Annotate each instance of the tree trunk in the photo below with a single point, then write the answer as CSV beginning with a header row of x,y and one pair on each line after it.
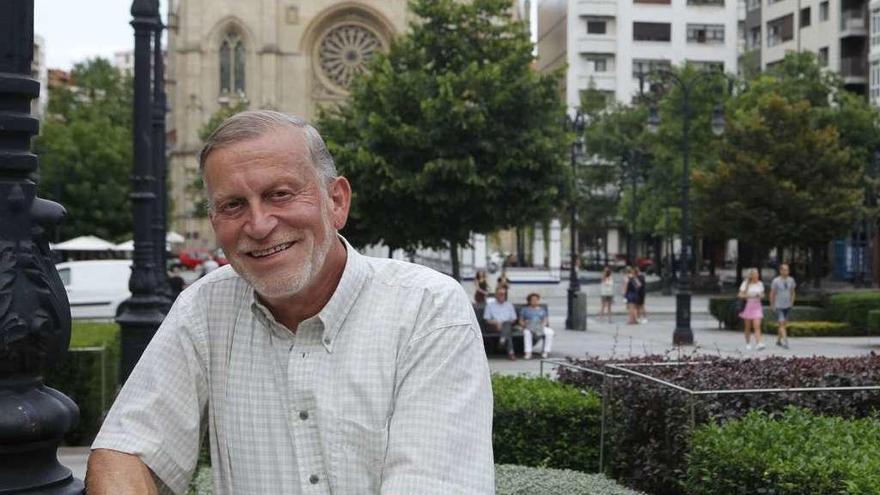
x,y
453,254
520,247
815,261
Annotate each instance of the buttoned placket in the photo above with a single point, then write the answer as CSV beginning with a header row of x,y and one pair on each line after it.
x,y
304,357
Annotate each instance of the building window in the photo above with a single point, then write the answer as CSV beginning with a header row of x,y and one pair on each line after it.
x,y
600,64
753,42
645,66
595,26
805,17
344,52
661,2
714,3
705,33
707,65
652,31
823,11
232,60
753,4
875,27
875,81
823,56
780,30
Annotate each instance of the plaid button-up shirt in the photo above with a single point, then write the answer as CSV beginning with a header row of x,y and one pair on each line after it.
x,y
386,390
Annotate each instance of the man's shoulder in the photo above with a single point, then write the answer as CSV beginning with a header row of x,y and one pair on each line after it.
x,y
402,274
220,281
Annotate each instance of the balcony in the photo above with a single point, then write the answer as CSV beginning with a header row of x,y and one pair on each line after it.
x,y
854,70
853,23
594,8
596,43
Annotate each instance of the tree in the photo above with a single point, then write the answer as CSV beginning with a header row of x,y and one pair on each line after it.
x,y
782,180
451,132
85,149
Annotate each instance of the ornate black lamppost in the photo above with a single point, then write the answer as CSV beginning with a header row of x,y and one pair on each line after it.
x,y
576,125
159,165
683,334
34,312
143,311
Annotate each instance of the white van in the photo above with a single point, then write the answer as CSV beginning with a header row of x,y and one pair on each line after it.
x,y
95,288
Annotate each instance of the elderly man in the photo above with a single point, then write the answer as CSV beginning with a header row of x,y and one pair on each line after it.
x,y
313,368
501,315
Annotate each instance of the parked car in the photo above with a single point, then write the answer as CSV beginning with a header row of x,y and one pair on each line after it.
x,y
96,289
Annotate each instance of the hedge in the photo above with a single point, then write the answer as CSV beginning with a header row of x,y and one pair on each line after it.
x,y
874,321
853,307
649,425
813,329
509,480
78,376
724,310
543,423
793,453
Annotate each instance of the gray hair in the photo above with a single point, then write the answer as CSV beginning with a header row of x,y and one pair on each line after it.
x,y
252,124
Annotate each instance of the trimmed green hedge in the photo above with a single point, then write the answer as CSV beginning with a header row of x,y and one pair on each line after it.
x,y
543,423
78,376
813,329
874,321
724,310
795,453
509,480
853,307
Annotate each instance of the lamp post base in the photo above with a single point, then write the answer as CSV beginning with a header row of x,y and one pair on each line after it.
x,y
683,334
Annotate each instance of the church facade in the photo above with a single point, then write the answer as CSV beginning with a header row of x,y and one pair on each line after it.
x,y
292,56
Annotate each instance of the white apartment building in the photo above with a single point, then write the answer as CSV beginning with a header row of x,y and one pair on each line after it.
x,y
610,42
874,54
835,30
40,72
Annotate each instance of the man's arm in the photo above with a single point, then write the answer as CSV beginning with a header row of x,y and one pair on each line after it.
x,y
440,433
772,295
116,473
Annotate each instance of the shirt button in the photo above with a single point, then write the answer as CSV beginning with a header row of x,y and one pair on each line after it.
x,y
327,340
313,479
303,415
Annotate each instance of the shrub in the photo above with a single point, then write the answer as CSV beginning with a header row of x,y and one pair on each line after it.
x,y
78,376
724,310
509,480
853,307
522,480
813,329
649,424
873,321
789,454
543,423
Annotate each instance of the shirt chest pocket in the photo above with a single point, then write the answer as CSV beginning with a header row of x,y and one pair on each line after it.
x,y
357,456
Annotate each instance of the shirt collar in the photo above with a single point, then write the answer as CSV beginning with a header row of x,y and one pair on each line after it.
x,y
333,314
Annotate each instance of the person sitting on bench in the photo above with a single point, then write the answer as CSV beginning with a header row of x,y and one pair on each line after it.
x,y
501,315
535,323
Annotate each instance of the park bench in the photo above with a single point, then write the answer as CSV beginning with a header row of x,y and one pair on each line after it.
x,y
491,337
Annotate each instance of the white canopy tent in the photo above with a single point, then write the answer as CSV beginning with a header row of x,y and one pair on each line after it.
x,y
84,243
170,238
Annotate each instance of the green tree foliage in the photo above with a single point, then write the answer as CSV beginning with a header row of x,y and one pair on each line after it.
x,y
85,150
781,181
451,132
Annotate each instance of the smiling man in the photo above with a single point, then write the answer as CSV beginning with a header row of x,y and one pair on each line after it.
x,y
313,368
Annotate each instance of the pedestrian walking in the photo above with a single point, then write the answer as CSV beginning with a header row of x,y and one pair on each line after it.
x,y
482,289
641,313
782,296
631,294
752,291
606,292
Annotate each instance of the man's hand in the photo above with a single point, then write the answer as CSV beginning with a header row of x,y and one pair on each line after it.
x,y
114,473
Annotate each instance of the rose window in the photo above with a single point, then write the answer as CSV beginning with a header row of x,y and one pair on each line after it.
x,y
344,52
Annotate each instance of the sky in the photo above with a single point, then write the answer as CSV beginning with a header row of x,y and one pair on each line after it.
x,y
77,30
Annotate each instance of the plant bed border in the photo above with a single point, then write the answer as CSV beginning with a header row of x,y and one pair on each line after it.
x,y
623,371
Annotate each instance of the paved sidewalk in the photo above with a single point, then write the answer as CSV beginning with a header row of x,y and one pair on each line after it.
x,y
655,337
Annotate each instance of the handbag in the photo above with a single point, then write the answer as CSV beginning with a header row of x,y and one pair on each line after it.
x,y
740,305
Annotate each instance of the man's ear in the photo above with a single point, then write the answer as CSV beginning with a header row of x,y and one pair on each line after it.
x,y
339,191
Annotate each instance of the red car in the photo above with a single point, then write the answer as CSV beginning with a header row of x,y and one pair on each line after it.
x,y
193,257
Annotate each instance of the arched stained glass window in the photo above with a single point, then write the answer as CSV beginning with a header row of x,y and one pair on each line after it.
x,y
232,65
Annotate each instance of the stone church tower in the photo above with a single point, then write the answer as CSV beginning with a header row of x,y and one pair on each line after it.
x,y
288,55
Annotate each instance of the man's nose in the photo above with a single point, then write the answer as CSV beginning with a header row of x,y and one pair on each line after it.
x,y
260,224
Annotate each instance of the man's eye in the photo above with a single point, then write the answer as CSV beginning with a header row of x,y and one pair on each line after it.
x,y
280,195
229,207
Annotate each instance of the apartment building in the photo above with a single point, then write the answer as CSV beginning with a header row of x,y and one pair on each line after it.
x,y
835,30
873,64
610,42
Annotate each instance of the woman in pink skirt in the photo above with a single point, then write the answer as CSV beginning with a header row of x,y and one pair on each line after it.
x,y
752,290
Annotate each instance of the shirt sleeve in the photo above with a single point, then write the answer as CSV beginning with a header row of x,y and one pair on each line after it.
x,y
440,433
159,415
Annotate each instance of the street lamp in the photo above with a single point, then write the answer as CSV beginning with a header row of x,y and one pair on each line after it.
x,y
684,334
576,125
